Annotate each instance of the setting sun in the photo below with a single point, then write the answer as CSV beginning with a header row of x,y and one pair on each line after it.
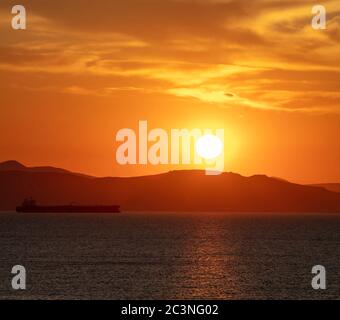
x,y
209,146
69,83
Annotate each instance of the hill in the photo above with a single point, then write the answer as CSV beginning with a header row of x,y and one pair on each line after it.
x,y
173,191
13,165
335,187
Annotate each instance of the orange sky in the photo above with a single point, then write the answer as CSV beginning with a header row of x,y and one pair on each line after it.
x,y
84,69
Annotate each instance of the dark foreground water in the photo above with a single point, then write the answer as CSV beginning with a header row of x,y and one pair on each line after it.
x,y
169,256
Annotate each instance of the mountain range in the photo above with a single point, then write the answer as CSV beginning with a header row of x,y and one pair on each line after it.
x,y
189,190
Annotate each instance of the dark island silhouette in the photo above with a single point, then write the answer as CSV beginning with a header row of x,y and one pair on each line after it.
x,y
335,187
175,191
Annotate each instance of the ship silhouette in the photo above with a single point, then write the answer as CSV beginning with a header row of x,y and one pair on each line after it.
x,y
176,191
31,206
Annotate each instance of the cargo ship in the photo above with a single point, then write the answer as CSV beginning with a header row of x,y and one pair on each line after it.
x,y
30,206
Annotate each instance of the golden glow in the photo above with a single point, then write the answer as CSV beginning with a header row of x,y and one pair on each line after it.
x,y
255,68
209,147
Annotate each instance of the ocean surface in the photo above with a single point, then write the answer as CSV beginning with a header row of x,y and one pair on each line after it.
x,y
169,256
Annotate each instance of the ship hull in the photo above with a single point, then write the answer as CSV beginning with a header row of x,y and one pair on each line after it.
x,y
68,209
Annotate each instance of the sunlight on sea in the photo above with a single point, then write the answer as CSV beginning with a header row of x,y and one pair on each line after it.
x,y
169,256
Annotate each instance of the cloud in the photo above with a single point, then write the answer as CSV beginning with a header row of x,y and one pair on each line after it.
x,y
260,54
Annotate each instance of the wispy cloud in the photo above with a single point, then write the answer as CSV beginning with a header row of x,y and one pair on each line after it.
x,y
261,54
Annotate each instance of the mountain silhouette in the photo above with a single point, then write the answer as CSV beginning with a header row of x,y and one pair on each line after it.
x,y
335,187
172,191
13,165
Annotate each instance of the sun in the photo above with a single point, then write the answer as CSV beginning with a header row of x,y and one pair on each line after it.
x,y
209,146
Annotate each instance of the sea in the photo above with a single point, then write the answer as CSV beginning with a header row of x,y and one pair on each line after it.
x,y
170,255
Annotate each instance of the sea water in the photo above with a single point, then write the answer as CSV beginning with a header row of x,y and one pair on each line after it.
x,y
170,255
